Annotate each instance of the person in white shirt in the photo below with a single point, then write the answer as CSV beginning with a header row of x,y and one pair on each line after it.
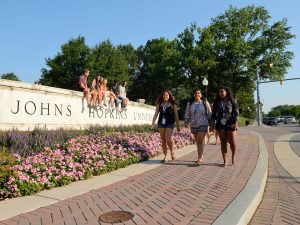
x,y
123,95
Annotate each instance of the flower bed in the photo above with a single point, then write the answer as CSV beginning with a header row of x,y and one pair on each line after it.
x,y
80,158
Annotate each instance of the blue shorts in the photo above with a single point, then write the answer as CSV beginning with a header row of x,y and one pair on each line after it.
x,y
195,130
170,125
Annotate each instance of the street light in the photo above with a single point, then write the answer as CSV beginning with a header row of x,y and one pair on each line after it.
x,y
205,83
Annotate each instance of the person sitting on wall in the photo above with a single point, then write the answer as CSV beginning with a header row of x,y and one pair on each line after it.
x,y
82,83
122,95
115,89
96,90
109,93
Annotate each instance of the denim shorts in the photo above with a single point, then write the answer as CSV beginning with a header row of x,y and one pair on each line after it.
x,y
170,125
195,130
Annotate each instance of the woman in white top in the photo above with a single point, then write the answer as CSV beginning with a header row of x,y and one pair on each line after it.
x,y
123,95
197,115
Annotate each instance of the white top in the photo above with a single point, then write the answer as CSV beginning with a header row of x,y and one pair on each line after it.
x,y
122,91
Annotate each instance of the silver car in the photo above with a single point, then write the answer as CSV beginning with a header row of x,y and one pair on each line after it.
x,y
291,119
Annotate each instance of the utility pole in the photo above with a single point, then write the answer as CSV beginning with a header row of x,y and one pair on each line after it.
x,y
258,97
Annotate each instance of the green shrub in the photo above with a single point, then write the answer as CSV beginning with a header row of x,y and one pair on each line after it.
x,y
6,161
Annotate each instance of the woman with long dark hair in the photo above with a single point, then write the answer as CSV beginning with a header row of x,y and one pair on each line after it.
x,y
166,108
225,116
197,115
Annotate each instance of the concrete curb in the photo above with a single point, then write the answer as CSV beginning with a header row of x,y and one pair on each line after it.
x,y
288,159
16,206
243,207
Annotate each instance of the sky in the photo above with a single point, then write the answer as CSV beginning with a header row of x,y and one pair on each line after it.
x,y
34,30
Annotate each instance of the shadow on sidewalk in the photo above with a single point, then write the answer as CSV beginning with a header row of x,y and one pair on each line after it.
x,y
191,164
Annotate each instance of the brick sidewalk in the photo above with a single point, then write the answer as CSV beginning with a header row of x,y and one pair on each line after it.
x,y
173,193
281,200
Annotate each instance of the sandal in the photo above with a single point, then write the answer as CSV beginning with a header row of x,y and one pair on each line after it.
x,y
199,162
163,160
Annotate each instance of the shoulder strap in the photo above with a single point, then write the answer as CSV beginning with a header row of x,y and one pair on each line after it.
x,y
205,106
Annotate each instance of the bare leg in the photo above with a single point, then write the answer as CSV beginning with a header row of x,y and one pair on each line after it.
x,y
99,97
216,136
223,139
231,139
87,96
199,137
94,96
162,132
168,135
104,98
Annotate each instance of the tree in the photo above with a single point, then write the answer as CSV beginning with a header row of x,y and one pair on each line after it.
x,y
243,39
285,110
67,65
159,69
109,61
10,76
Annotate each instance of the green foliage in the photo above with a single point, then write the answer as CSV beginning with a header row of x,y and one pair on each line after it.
x,y
285,110
67,65
10,76
227,52
242,121
108,61
6,161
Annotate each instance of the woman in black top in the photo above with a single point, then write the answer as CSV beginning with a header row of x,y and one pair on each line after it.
x,y
225,118
167,109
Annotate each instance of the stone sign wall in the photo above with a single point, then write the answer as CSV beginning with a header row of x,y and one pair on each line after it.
x,y
26,106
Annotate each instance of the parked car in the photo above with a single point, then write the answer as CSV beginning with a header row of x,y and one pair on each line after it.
x,y
280,119
290,119
270,120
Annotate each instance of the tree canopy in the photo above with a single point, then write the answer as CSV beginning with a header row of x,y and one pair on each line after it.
x,y
226,52
10,76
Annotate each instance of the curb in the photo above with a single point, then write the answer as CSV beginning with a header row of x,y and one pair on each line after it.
x,y
243,207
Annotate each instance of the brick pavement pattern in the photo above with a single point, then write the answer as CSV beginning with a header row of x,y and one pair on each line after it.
x,y
281,200
177,192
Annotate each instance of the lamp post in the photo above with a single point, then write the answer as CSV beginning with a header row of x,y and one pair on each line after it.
x,y
258,97
205,83
259,105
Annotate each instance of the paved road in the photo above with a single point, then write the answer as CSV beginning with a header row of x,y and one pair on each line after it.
x,y
281,200
174,193
295,144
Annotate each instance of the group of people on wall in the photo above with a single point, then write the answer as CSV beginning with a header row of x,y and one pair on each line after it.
x,y
97,93
202,118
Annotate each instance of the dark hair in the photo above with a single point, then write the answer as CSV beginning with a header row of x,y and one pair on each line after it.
x,y
228,93
115,81
160,99
192,99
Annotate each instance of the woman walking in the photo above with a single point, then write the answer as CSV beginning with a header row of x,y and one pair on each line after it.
x,y
197,115
166,108
225,117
